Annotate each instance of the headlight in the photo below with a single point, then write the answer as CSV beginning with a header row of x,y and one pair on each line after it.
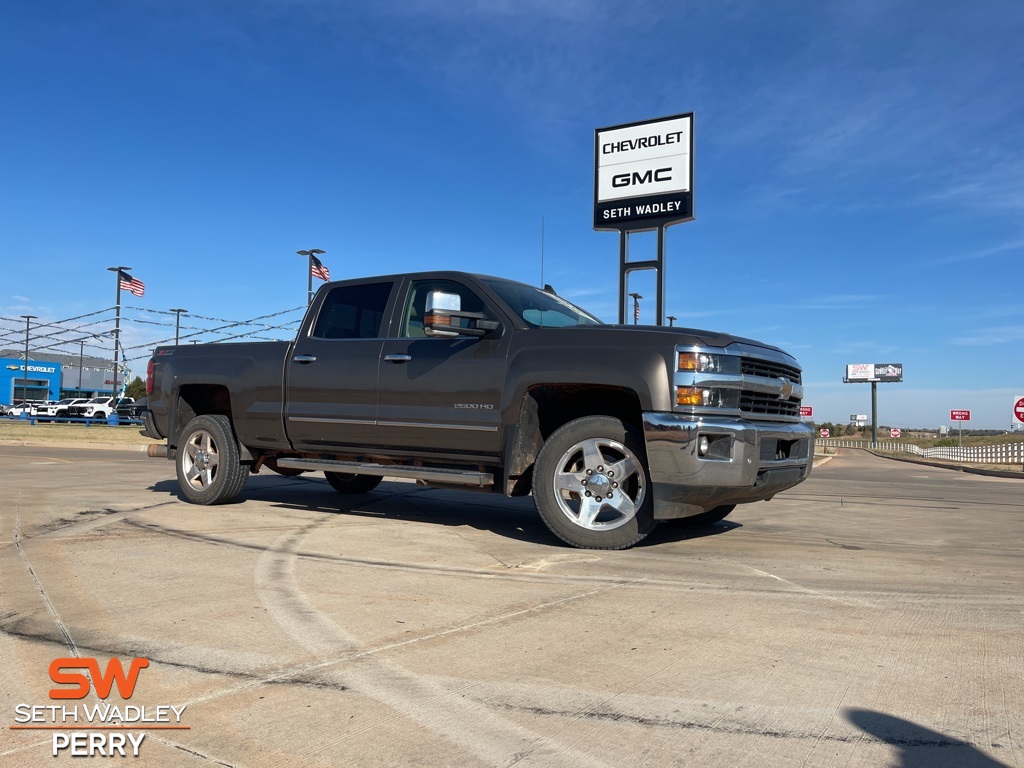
x,y
699,362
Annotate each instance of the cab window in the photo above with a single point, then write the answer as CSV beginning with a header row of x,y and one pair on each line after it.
x,y
415,305
353,312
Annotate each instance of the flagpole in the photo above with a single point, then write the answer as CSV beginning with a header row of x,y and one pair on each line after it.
x,y
117,318
311,253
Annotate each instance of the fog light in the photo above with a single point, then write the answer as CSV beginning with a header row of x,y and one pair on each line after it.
x,y
703,445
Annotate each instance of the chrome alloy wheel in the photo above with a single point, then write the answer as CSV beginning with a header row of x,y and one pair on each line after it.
x,y
599,484
200,460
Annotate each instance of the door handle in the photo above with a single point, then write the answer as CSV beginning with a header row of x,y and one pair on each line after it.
x,y
397,358
304,359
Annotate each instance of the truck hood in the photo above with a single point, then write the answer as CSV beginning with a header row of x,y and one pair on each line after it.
x,y
662,335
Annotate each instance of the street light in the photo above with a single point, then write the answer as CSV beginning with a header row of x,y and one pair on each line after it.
x,y
24,375
671,320
177,322
636,307
310,254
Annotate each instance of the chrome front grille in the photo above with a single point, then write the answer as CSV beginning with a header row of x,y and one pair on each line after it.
x,y
755,366
767,405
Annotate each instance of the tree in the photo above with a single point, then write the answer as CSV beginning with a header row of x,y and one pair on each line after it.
x,y
136,389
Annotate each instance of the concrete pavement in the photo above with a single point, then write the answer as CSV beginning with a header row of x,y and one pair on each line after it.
x,y
871,616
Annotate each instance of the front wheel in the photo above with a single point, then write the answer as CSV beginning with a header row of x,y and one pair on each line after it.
x,y
591,485
209,468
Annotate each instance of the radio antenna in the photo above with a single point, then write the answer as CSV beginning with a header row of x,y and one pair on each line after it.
x,y
542,250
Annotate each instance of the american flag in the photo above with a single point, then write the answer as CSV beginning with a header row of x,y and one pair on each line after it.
x,y
318,269
129,283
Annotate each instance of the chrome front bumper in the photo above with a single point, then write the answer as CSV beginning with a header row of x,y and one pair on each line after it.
x,y
746,461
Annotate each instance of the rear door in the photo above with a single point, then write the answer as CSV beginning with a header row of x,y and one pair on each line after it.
x,y
442,395
331,390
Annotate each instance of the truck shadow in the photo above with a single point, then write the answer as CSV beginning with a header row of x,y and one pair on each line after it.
x,y
920,747
512,518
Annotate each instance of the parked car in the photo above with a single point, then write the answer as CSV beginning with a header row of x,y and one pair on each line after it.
x,y
127,409
97,408
24,406
51,407
63,408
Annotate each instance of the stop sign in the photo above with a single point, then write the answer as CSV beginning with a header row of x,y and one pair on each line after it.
x,y
1018,409
894,432
824,433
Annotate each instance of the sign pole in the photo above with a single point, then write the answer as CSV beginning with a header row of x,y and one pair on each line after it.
x,y
874,414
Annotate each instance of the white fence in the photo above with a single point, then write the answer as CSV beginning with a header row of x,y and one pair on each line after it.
x,y
1007,453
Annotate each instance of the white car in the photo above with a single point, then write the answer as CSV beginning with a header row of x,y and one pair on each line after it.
x,y
60,408
27,407
97,408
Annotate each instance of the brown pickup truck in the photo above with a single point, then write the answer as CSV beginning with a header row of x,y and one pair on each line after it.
x,y
460,380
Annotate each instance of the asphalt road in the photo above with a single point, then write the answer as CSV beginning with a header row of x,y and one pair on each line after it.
x,y
872,616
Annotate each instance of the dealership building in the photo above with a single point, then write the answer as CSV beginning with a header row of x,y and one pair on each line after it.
x,y
52,377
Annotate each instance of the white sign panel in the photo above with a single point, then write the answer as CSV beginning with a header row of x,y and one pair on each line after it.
x,y
645,159
643,173
860,371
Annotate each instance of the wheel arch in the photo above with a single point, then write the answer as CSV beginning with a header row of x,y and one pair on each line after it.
x,y
203,400
546,407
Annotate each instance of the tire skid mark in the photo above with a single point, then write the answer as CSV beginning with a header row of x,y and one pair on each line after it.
x,y
510,574
434,707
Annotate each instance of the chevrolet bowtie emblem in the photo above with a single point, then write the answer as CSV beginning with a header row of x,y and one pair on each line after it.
x,y
787,389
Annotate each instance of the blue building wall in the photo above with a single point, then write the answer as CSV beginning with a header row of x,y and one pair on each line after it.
x,y
43,380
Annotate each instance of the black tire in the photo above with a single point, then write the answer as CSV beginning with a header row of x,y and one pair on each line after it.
x,y
596,456
207,460
343,482
710,517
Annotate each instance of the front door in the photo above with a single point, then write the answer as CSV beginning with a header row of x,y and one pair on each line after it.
x,y
442,395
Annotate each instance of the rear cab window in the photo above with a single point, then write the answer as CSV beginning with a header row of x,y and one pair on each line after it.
x,y
353,312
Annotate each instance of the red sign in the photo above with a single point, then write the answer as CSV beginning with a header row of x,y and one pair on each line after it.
x,y
824,433
894,432
961,415
1018,409
806,410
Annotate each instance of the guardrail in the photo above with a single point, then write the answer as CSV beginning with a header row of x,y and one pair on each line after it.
x,y
110,421
1005,453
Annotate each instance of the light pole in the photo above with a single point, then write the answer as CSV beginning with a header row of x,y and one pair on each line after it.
x,y
309,255
671,320
24,375
81,356
177,322
636,307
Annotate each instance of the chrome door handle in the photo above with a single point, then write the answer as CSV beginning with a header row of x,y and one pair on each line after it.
x,y
304,359
397,358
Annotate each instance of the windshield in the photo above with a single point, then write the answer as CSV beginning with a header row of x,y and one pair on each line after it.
x,y
99,400
538,308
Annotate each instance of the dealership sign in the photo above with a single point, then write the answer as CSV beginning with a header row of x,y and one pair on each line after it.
x,y
891,372
643,174
959,415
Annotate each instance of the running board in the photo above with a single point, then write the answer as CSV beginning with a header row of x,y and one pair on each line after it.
x,y
449,476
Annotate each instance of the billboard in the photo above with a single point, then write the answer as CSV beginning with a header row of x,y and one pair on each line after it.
x,y
643,173
890,372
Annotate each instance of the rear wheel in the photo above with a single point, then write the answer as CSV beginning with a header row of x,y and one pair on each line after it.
x,y
591,484
710,517
344,482
209,468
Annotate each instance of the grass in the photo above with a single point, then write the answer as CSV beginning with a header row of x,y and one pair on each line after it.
x,y
15,430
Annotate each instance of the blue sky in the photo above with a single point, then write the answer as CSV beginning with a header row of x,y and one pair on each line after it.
x,y
859,184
